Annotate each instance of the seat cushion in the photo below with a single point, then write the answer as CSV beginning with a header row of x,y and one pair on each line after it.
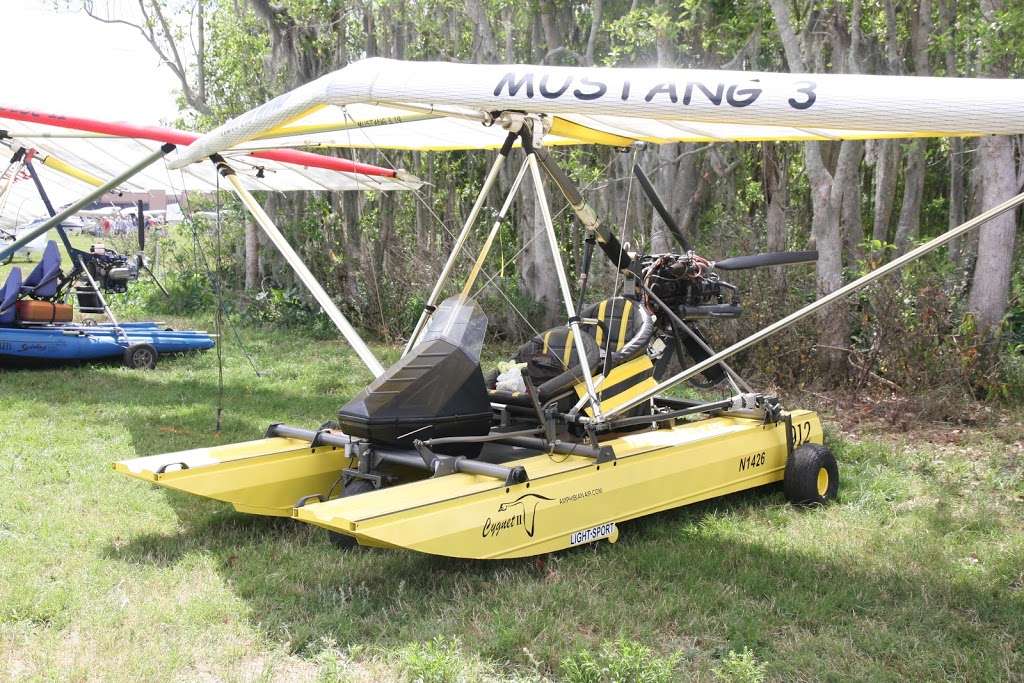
x,y
553,353
42,282
9,296
619,318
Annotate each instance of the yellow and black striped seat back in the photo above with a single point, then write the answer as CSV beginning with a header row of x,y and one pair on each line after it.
x,y
620,321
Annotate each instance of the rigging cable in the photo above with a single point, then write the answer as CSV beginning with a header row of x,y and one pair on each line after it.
x,y
200,256
219,317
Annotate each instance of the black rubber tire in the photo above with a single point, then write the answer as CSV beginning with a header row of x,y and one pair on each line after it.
x,y
812,476
140,357
353,488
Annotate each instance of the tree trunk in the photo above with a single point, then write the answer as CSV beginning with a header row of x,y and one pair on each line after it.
x,y
991,285
826,205
252,254
885,189
996,161
776,187
909,226
536,269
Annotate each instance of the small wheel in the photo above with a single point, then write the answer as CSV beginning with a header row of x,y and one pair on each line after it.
x,y
812,475
353,488
140,357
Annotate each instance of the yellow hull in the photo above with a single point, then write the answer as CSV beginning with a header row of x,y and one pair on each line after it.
x,y
568,500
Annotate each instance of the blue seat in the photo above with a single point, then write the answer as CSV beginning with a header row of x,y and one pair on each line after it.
x,y
42,282
9,296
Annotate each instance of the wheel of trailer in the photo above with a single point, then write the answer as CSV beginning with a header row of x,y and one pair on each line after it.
x,y
140,357
353,488
812,475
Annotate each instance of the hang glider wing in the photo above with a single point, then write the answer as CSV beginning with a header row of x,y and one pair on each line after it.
x,y
388,104
74,155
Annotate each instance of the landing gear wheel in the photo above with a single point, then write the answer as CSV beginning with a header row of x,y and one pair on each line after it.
x,y
140,357
353,488
812,476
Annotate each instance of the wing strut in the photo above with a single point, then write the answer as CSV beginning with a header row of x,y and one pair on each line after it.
x,y
293,259
460,241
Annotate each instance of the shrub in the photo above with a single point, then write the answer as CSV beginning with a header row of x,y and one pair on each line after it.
x,y
740,667
619,661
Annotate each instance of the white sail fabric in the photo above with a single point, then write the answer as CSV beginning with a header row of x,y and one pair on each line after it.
x,y
71,162
389,104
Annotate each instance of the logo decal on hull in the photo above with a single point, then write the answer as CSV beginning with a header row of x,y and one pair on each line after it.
x,y
521,512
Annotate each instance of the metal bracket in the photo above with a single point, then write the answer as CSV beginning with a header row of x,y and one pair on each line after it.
x,y
788,419
348,475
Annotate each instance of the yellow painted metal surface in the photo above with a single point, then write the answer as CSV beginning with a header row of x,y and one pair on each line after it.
x,y
262,477
568,501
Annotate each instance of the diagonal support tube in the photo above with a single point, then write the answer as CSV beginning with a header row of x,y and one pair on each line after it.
x,y
293,259
563,282
84,201
807,310
460,241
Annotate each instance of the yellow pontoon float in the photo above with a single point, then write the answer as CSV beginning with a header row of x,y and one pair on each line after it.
x,y
581,436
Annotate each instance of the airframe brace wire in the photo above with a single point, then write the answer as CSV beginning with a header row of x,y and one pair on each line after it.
x,y
201,254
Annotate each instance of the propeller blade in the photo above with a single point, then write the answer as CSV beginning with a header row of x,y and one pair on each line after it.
x,y
659,206
141,227
775,258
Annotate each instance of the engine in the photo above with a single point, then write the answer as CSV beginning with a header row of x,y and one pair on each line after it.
x,y
688,284
111,270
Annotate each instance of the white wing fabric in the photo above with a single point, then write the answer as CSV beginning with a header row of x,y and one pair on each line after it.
x,y
389,104
72,159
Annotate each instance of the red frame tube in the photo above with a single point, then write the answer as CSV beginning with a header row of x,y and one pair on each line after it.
x,y
184,138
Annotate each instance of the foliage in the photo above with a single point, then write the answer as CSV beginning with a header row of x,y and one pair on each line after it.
x,y
740,667
433,661
379,256
619,661
926,528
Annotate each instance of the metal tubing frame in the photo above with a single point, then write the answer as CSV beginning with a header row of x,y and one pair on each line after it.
x,y
734,378
404,458
563,282
48,204
85,201
489,242
303,273
460,241
829,298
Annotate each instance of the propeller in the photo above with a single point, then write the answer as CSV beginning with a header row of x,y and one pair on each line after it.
x,y
659,206
141,224
140,257
775,258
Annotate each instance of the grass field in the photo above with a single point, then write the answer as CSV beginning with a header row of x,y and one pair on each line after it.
x,y
916,574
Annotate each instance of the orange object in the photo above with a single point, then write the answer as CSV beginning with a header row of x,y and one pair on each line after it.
x,y
30,311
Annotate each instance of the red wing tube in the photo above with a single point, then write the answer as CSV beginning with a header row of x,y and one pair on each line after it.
x,y
180,137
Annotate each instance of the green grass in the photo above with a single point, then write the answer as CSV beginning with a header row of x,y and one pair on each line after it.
x,y
917,573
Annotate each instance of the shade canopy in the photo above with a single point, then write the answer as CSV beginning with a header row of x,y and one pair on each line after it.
x,y
73,155
389,104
